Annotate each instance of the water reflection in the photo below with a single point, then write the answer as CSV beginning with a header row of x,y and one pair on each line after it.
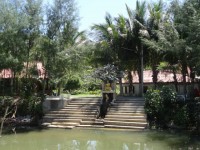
x,y
98,140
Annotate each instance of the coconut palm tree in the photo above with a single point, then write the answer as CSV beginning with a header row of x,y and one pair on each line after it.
x,y
108,41
136,27
153,24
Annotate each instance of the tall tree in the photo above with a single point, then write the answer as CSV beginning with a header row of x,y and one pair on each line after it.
x,y
106,41
153,23
12,47
137,30
33,11
62,34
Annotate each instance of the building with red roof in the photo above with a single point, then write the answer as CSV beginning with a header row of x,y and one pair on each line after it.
x,y
38,66
164,78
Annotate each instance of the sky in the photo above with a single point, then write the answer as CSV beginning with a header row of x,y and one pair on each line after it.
x,y
93,11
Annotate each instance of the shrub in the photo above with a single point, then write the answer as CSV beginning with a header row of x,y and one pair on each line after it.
x,y
31,106
94,86
160,106
181,117
152,106
72,84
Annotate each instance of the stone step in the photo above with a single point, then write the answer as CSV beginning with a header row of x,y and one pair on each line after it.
x,y
51,119
127,104
126,113
119,123
132,112
61,126
92,123
67,120
86,99
136,128
126,119
73,112
126,109
65,123
82,108
83,103
70,115
90,126
46,124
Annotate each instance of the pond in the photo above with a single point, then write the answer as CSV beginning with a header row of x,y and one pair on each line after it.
x,y
96,139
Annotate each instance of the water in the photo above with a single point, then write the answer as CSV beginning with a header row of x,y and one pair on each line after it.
x,y
93,139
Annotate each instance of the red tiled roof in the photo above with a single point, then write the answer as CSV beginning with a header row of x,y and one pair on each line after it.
x,y
8,73
163,76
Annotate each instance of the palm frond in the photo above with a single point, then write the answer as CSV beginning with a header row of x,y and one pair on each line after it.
x,y
130,17
108,19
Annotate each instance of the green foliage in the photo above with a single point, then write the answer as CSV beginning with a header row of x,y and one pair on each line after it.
x,y
94,86
181,117
30,106
4,102
72,84
153,105
106,73
165,110
28,87
160,106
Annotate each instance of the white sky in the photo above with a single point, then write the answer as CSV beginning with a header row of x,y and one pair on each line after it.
x,y
94,11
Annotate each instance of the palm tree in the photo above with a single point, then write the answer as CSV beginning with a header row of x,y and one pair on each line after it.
x,y
123,38
153,24
137,29
108,39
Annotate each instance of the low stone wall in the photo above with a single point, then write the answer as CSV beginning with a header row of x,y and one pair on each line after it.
x,y
55,102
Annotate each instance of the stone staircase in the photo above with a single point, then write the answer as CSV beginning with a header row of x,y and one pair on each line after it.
x,y
82,112
126,114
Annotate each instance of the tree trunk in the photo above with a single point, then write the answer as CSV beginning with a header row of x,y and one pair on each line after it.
x,y
11,85
120,86
140,71
3,119
44,86
175,80
59,89
155,76
184,72
130,79
27,64
4,84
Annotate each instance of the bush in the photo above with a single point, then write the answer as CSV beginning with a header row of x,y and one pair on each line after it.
x,y
160,106
30,106
72,84
152,106
181,117
94,86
